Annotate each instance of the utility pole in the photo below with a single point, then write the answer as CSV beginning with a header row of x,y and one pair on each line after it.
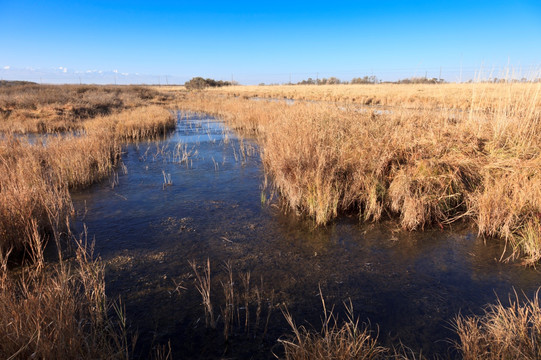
x,y
166,80
440,75
460,67
317,78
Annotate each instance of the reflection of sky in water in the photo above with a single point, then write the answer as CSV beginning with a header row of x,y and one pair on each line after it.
x,y
409,283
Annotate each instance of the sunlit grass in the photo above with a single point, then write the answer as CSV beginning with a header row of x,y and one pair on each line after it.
x,y
442,153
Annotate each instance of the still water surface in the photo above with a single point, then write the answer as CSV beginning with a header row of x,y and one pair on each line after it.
x,y
197,194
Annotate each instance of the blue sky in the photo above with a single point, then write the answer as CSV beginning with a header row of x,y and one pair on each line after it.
x,y
265,41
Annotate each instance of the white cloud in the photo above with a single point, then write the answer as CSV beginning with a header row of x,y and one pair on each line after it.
x,y
7,67
115,71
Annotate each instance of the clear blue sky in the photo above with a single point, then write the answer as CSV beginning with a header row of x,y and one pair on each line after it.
x,y
266,41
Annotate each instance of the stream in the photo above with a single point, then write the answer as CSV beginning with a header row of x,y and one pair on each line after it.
x,y
198,194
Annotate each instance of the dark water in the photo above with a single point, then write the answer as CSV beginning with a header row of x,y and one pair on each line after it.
x,y
205,201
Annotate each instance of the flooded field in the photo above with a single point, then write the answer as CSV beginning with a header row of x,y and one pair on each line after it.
x,y
199,194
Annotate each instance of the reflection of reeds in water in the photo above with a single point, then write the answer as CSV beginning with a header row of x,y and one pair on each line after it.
x,y
235,314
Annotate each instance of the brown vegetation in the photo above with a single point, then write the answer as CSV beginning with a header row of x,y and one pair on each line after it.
x,y
60,310
349,340
51,108
53,312
478,96
467,152
503,332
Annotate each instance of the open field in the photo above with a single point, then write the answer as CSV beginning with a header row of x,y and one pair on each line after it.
x,y
476,96
423,156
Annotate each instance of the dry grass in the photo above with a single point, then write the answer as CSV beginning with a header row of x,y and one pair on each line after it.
x,y
54,108
350,340
136,124
467,151
479,96
503,332
242,306
60,311
35,178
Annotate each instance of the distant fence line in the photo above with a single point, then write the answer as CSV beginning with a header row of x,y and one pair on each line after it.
x,y
448,74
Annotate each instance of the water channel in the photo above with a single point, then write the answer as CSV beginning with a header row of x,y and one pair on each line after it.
x,y
198,194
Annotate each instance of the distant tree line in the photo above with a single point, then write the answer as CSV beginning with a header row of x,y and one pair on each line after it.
x,y
334,80
16,83
420,80
198,83
368,80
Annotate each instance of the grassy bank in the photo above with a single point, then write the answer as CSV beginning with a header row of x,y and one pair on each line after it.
x,y
36,176
56,108
60,310
423,166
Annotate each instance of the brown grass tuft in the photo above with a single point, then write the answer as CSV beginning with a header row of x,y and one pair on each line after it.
x,y
503,332
347,341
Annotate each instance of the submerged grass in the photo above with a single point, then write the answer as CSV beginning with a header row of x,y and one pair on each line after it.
x,y
469,152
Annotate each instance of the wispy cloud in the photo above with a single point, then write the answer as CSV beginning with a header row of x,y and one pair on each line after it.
x,y
62,75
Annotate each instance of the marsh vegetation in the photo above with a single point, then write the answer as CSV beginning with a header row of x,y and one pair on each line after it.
x,y
410,157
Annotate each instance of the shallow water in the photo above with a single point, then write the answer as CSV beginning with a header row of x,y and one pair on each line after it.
x,y
197,194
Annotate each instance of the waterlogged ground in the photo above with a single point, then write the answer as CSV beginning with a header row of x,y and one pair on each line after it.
x,y
198,194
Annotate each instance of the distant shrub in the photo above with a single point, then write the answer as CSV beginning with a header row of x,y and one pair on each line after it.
x,y
365,80
420,80
198,83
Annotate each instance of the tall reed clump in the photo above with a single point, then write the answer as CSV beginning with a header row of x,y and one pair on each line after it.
x,y
59,311
135,124
36,178
503,332
31,192
508,205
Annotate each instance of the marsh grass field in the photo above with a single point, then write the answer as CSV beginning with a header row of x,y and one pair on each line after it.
x,y
422,157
